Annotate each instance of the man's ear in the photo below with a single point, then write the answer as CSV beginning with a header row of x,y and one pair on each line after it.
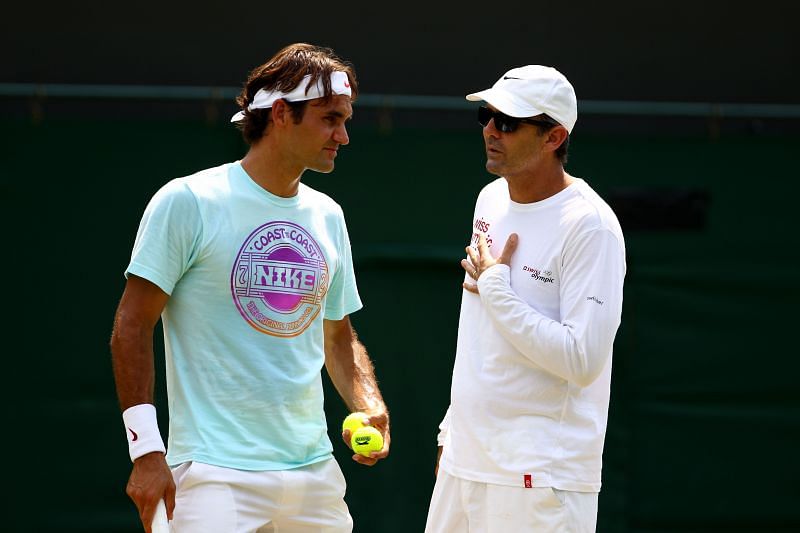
x,y
280,112
555,138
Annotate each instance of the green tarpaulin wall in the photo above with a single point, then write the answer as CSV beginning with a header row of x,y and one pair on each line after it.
x,y
703,429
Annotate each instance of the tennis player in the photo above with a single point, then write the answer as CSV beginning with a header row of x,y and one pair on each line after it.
x,y
520,446
251,274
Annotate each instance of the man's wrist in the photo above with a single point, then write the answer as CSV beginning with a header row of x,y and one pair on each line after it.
x,y
141,428
496,270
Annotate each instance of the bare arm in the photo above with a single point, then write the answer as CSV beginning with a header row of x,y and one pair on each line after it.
x,y
134,374
132,341
353,375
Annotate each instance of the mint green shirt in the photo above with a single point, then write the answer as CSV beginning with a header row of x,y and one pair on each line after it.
x,y
251,276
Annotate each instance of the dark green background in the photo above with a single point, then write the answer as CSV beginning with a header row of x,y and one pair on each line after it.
x,y
677,50
705,413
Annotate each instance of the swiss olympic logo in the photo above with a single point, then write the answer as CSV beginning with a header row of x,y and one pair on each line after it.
x,y
279,279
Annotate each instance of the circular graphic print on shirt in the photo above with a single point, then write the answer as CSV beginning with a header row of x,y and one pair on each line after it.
x,y
279,279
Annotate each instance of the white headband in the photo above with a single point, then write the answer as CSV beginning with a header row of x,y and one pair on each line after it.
x,y
340,84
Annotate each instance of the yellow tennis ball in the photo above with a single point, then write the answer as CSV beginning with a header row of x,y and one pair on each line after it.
x,y
353,421
366,439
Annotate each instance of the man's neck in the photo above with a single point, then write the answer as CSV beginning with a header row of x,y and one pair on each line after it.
x,y
538,184
265,166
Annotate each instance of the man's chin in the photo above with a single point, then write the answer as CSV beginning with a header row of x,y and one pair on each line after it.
x,y
322,169
493,167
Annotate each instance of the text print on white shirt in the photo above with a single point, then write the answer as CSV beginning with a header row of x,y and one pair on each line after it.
x,y
544,277
481,226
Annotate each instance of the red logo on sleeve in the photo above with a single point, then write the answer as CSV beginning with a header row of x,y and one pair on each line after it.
x,y
528,481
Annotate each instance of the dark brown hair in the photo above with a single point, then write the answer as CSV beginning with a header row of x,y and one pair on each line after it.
x,y
283,72
562,152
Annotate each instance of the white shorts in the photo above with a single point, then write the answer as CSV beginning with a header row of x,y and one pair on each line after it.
x,y
459,505
212,499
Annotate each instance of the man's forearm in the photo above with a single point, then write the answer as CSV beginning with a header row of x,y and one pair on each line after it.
x,y
556,347
353,375
133,362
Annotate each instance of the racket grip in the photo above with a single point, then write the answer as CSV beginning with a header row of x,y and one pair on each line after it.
x,y
160,522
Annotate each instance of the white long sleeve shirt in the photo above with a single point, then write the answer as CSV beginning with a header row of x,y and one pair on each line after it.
x,y
531,381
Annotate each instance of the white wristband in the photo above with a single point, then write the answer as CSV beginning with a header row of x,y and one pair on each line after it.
x,y
141,426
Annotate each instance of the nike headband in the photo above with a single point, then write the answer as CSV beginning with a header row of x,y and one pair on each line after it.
x,y
340,84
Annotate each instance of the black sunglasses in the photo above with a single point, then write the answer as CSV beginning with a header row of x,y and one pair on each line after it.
x,y
505,123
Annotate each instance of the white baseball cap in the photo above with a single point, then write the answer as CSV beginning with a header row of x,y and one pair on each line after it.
x,y
532,90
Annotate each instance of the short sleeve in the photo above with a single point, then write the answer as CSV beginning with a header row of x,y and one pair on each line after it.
x,y
168,238
343,298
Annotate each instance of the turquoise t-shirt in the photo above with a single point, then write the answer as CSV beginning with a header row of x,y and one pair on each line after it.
x,y
251,276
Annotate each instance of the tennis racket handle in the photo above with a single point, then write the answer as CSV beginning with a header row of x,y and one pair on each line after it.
x,y
160,522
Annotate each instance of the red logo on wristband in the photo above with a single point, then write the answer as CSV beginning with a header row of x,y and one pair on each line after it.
x,y
135,436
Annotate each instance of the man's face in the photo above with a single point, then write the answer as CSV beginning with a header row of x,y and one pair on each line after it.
x,y
512,153
314,142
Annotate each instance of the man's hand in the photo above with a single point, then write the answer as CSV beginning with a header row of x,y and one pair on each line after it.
x,y
151,481
379,421
481,260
